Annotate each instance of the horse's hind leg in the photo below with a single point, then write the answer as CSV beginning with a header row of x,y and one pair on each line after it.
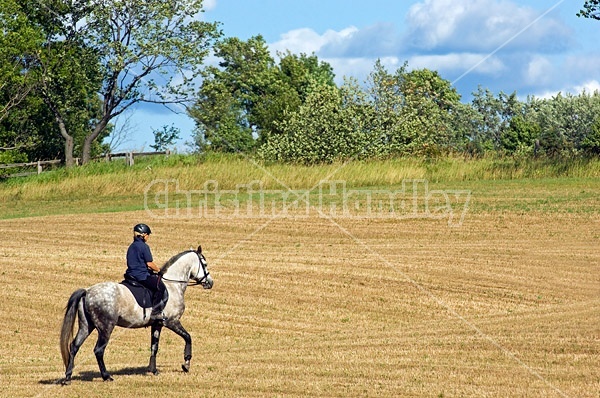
x,y
103,337
85,329
154,340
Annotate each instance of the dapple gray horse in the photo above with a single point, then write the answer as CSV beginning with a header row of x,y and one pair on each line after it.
x,y
109,304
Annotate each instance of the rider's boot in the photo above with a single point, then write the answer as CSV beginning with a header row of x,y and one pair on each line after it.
x,y
157,314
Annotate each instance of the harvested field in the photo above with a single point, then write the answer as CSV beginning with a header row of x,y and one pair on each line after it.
x,y
507,304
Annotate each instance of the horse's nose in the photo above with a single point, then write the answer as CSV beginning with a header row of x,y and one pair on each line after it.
x,y
208,283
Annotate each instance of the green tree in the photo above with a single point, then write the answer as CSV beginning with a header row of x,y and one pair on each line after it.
x,y
567,123
19,42
591,142
388,118
412,110
243,100
165,137
494,114
520,136
286,88
228,95
429,100
591,9
320,131
144,52
68,82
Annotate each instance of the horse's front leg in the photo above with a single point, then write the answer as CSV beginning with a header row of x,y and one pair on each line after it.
x,y
154,340
176,327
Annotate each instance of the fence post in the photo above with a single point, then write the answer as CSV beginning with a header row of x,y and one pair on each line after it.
x,y
129,158
39,167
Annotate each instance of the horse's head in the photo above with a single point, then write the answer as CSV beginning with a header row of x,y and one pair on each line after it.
x,y
202,276
185,266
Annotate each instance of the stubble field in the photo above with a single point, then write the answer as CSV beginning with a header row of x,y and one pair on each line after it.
x,y
507,304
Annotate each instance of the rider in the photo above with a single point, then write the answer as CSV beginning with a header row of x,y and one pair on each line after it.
x,y
140,266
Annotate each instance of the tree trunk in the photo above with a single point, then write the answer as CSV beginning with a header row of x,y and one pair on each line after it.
x,y
86,154
69,143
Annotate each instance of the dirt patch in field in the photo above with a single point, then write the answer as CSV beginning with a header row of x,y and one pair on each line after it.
x,y
504,305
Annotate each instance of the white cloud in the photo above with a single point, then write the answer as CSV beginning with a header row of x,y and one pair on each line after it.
x,y
589,87
539,71
583,64
308,41
498,44
208,5
459,62
435,21
483,25
360,68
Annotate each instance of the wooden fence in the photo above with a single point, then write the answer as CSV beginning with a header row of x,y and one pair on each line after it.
x,y
129,156
40,167
40,164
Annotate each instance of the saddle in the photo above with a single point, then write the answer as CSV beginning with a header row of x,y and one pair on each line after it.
x,y
143,296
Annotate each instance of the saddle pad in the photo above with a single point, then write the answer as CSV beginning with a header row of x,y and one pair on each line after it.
x,y
142,295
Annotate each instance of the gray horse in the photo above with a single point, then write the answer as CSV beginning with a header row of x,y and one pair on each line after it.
x,y
106,305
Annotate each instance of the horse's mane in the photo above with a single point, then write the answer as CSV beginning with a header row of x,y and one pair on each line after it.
x,y
173,260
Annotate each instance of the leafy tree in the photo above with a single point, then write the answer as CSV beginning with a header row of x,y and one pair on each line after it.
x,y
68,82
384,93
463,121
143,51
321,130
18,43
165,137
287,87
554,143
301,72
567,123
57,78
243,100
591,142
429,100
591,9
520,136
228,94
412,111
494,116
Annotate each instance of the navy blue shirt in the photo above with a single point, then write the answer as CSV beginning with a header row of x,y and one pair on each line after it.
x,y
138,255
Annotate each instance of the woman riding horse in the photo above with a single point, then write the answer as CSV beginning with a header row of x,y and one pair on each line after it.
x,y
106,305
140,267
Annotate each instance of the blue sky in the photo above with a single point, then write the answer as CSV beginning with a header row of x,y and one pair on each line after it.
x,y
533,47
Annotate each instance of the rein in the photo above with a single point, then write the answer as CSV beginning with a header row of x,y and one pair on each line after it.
x,y
197,281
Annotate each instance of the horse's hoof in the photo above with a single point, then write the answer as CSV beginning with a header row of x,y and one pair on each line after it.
x,y
108,378
155,372
65,382
185,367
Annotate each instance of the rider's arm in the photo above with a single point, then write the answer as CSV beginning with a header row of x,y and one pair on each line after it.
x,y
153,266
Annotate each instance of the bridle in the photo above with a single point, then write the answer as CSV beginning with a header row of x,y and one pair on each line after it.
x,y
201,264
197,280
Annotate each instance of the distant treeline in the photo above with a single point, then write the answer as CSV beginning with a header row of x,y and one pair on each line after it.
x,y
64,78
293,111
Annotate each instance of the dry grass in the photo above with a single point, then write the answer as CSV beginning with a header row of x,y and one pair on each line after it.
x,y
505,305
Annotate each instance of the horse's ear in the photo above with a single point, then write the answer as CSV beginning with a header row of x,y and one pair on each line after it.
x,y
199,249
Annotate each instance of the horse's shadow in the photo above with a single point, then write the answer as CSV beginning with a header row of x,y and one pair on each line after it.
x,y
90,376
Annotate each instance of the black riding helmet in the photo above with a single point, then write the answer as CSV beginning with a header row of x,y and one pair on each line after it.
x,y
142,229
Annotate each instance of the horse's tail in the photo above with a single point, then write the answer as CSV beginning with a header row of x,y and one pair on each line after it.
x,y
66,332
